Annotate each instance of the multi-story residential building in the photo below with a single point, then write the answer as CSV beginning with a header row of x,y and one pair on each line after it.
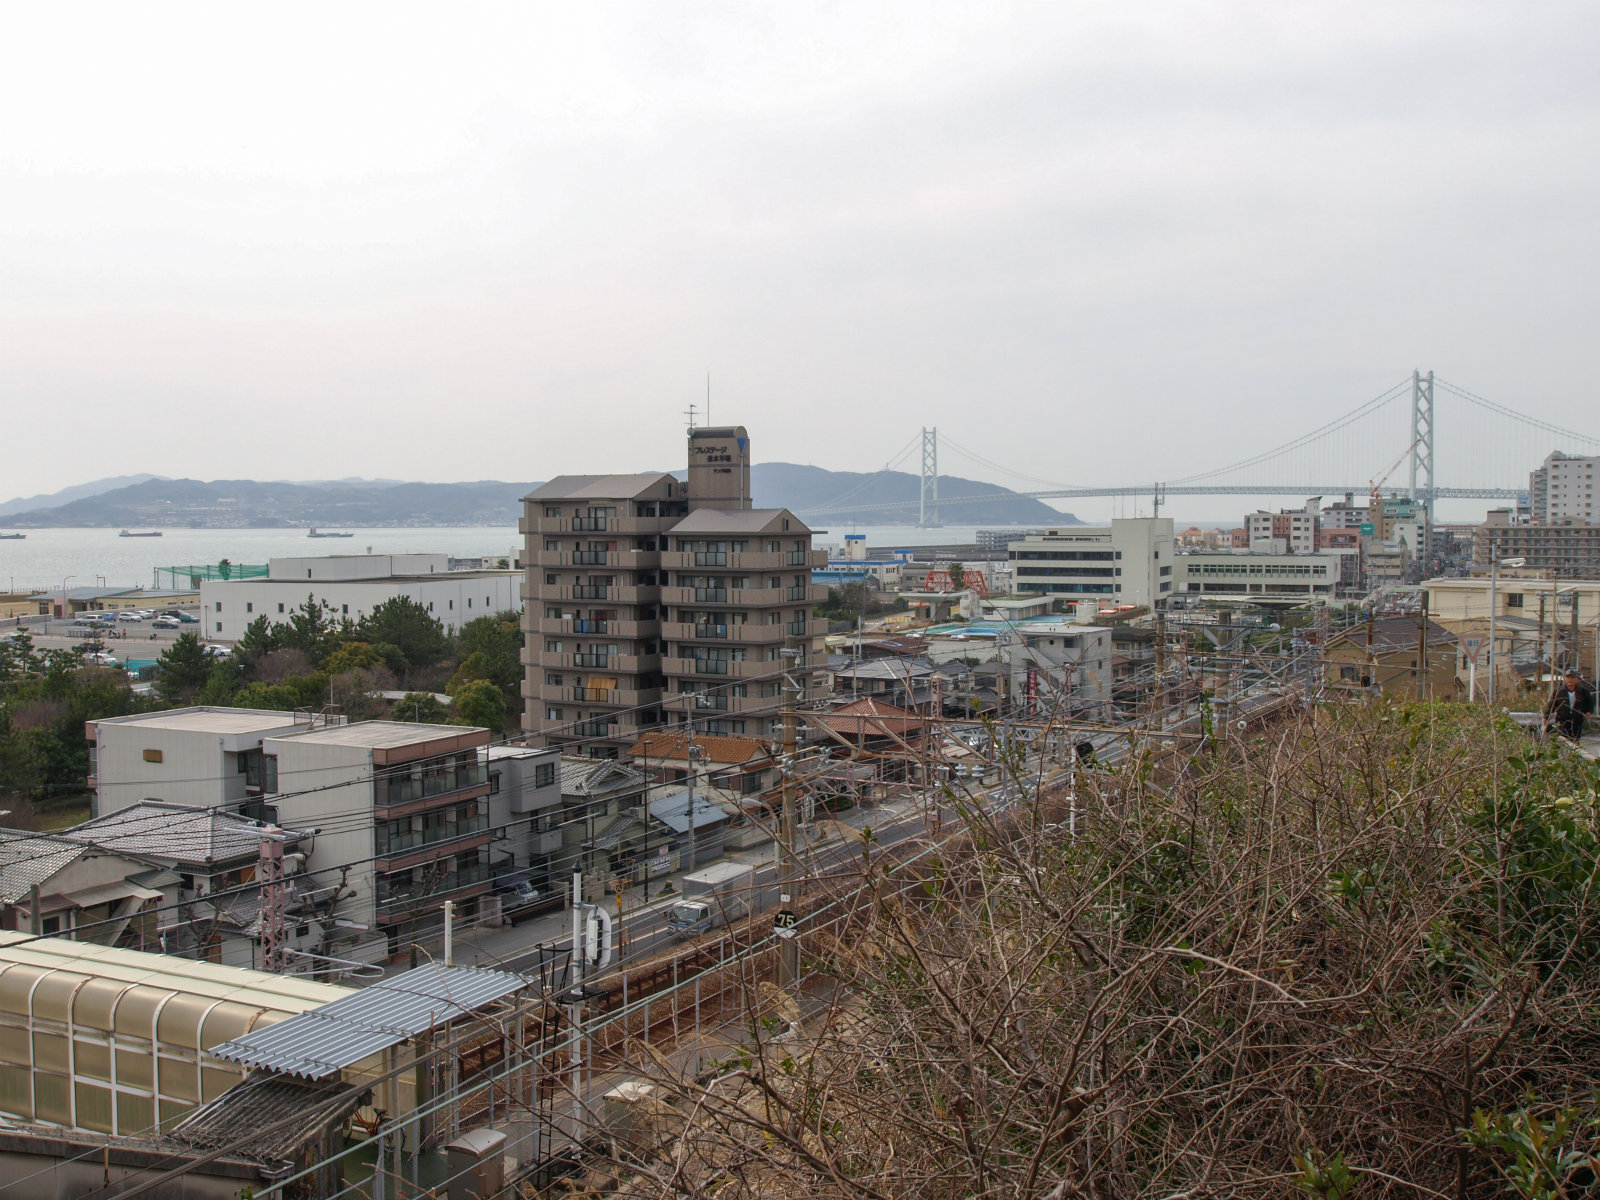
x,y
1567,546
1058,666
592,616
1127,562
202,757
399,817
1288,530
1563,489
1260,578
352,585
653,602
1345,514
739,585
525,810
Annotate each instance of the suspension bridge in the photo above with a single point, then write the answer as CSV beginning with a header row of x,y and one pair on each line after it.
x,y
1358,452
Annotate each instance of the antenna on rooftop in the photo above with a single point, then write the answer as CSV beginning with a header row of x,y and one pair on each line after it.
x,y
690,415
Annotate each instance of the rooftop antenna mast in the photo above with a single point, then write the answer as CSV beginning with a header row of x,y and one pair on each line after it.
x,y
708,397
690,415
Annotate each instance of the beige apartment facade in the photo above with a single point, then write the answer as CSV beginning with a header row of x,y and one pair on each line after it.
x,y
648,605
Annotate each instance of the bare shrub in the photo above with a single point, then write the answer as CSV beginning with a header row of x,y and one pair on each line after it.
x,y
1294,967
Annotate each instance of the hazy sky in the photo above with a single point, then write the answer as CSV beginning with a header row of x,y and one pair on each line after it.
x,y
1091,241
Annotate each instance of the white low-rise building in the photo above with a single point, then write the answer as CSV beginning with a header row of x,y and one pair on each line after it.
x,y
352,585
1257,578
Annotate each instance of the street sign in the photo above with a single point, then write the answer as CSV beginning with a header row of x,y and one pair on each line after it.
x,y
784,921
1472,645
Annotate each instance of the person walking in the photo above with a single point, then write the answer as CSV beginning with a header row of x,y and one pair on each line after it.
x,y
1570,706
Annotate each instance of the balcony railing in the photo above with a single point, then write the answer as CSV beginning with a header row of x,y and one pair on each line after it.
x,y
795,558
405,789
710,558
795,593
795,628
711,666
592,558
592,660
594,729
433,833
589,591
593,695
414,895
589,524
710,631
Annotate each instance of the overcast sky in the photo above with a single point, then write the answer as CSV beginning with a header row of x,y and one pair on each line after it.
x,y
1091,242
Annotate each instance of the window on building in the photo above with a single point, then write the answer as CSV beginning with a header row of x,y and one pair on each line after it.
x,y
249,606
544,774
494,783
219,605
219,626
280,608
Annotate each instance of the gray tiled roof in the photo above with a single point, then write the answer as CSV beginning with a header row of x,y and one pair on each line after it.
x,y
740,520
176,832
598,487
597,777
30,859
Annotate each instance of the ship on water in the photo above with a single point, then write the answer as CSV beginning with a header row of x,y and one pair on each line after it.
x,y
148,533
12,537
317,533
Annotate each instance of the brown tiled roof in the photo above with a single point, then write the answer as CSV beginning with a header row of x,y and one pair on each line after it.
x,y
868,715
717,747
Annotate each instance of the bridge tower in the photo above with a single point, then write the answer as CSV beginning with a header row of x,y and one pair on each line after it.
x,y
1422,436
928,512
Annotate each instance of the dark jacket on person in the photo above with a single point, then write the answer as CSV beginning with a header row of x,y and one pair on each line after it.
x,y
1567,709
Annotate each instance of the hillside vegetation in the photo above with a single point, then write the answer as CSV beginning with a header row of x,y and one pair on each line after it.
x,y
1357,958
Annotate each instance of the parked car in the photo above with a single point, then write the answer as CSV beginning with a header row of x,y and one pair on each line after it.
x,y
187,618
106,618
166,623
86,619
103,658
129,614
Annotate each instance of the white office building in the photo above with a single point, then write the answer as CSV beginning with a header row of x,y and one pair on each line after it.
x,y
1127,562
353,585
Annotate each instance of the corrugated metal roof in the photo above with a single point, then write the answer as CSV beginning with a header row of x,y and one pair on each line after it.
x,y
326,1039
673,812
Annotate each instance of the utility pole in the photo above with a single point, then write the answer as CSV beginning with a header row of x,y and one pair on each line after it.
x,y
272,903
690,753
1422,653
788,874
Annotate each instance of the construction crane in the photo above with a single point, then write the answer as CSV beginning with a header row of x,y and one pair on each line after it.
x,y
1377,485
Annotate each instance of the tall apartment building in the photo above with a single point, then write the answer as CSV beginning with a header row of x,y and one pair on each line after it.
x,y
1127,562
1563,490
651,602
1292,531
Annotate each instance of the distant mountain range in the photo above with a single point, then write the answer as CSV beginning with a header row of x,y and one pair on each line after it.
x,y
149,501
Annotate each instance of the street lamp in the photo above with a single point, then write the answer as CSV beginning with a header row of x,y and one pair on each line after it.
x,y
1494,579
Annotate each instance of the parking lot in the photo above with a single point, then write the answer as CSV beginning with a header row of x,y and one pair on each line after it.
x,y
132,640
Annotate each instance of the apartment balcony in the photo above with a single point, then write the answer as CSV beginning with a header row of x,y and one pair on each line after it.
x,y
617,664
721,704
739,597
746,634
626,560
567,524
610,593
401,902
712,669
396,859
553,694
408,790
743,560
587,627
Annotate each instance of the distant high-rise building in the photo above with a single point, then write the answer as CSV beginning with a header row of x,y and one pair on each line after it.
x,y
1563,490
651,602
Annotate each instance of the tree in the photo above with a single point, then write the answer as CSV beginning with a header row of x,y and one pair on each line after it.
x,y
958,576
260,638
419,707
311,629
481,703
409,626
491,648
184,669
